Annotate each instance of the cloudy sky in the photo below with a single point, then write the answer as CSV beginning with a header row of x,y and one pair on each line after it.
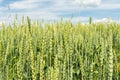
x,y
78,10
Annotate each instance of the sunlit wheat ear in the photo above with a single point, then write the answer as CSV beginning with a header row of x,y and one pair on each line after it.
x,y
51,72
48,74
41,56
50,50
110,57
91,71
56,68
102,53
42,65
32,59
64,67
20,62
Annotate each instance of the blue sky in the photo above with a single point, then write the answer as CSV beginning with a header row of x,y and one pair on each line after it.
x,y
78,10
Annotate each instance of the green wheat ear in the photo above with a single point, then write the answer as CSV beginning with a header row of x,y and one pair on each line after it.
x,y
29,24
90,20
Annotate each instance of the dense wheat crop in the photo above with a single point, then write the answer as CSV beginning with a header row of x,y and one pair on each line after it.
x,y
59,51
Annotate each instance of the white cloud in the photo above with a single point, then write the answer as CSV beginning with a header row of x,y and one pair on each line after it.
x,y
33,8
63,5
111,1
88,3
77,19
109,6
24,4
3,8
37,15
105,7
37,4
80,19
105,20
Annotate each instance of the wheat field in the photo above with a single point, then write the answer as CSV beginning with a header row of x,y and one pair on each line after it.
x,y
31,50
